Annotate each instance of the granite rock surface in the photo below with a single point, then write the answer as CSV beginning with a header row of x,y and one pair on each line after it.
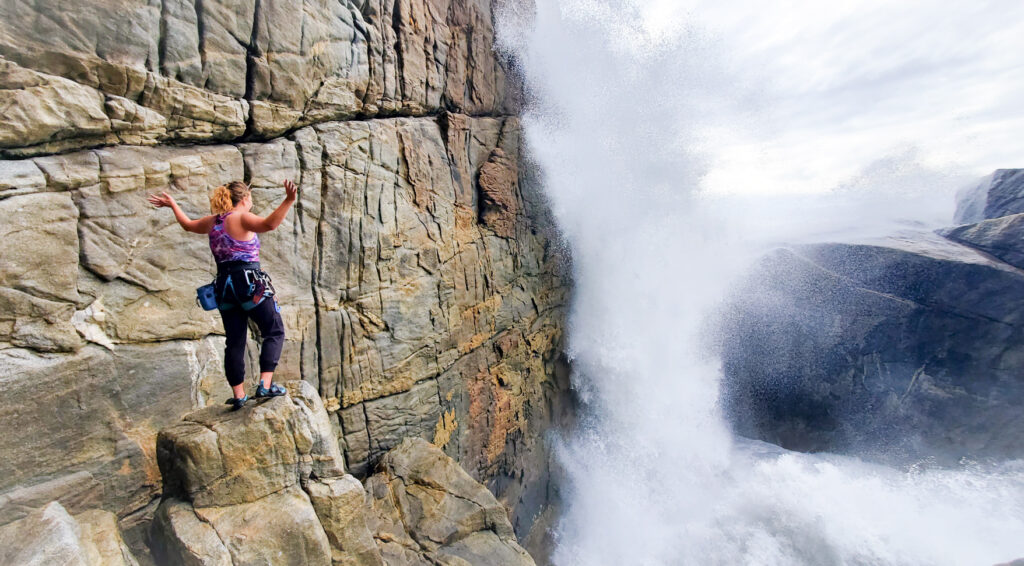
x,y
421,284
266,484
145,72
49,535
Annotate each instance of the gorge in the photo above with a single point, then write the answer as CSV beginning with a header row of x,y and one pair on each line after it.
x,y
569,282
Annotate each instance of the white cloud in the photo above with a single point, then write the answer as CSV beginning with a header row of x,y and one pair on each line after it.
x,y
842,84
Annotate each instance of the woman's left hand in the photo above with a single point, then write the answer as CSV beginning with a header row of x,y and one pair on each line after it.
x,y
290,191
163,199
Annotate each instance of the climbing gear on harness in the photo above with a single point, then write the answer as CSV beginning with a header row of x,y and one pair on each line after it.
x,y
249,286
206,297
274,391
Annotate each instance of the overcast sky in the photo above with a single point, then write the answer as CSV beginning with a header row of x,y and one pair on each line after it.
x,y
836,86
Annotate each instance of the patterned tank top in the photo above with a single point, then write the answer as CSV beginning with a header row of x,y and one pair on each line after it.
x,y
226,248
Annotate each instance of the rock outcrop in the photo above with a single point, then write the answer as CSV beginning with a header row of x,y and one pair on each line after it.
x,y
1000,194
426,509
50,535
267,485
1002,238
422,287
906,347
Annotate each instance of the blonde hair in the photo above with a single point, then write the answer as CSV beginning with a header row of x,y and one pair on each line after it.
x,y
225,197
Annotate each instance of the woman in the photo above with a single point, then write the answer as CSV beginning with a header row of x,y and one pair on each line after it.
x,y
243,289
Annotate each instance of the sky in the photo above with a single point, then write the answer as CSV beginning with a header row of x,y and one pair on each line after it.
x,y
834,88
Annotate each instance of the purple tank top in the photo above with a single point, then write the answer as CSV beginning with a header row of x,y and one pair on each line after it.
x,y
226,248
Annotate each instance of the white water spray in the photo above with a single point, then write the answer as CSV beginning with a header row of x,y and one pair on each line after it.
x,y
628,128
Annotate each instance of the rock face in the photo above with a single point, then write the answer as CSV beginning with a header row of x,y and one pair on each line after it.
x,y
906,347
1000,238
1000,194
423,503
422,288
142,72
267,485
50,535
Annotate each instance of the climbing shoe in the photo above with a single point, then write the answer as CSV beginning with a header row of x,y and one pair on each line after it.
x,y
236,403
275,390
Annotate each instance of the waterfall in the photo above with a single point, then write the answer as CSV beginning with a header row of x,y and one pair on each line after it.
x,y
674,150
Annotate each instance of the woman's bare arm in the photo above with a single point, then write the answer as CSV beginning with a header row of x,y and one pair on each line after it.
x,y
254,223
198,226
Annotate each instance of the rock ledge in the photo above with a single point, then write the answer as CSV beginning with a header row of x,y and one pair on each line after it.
x,y
267,485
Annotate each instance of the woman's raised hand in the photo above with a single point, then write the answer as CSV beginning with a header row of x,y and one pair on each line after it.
x,y
290,190
163,199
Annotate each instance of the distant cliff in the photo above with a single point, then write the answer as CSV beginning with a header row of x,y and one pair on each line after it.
x,y
422,286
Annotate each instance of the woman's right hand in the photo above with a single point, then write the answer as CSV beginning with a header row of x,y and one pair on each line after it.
x,y
163,199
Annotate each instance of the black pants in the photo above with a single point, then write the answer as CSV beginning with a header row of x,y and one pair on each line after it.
x,y
236,319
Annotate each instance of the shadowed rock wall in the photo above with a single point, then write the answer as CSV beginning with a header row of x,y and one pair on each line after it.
x,y
420,282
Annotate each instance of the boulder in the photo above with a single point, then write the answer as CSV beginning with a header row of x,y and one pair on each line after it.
x,y
100,532
217,457
904,348
425,506
266,484
237,487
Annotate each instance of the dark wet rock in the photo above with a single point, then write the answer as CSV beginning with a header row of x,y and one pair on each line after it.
x,y
1002,238
904,347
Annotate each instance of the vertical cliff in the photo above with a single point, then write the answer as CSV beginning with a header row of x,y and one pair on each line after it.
x,y
421,284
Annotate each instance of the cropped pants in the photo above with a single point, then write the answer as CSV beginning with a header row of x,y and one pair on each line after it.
x,y
268,320
235,318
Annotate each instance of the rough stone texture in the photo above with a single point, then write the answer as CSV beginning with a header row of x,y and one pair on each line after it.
x,y
262,486
141,72
182,537
50,535
1002,238
98,411
229,458
75,492
498,192
908,347
340,506
416,301
101,534
235,484
409,316
999,194
425,505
